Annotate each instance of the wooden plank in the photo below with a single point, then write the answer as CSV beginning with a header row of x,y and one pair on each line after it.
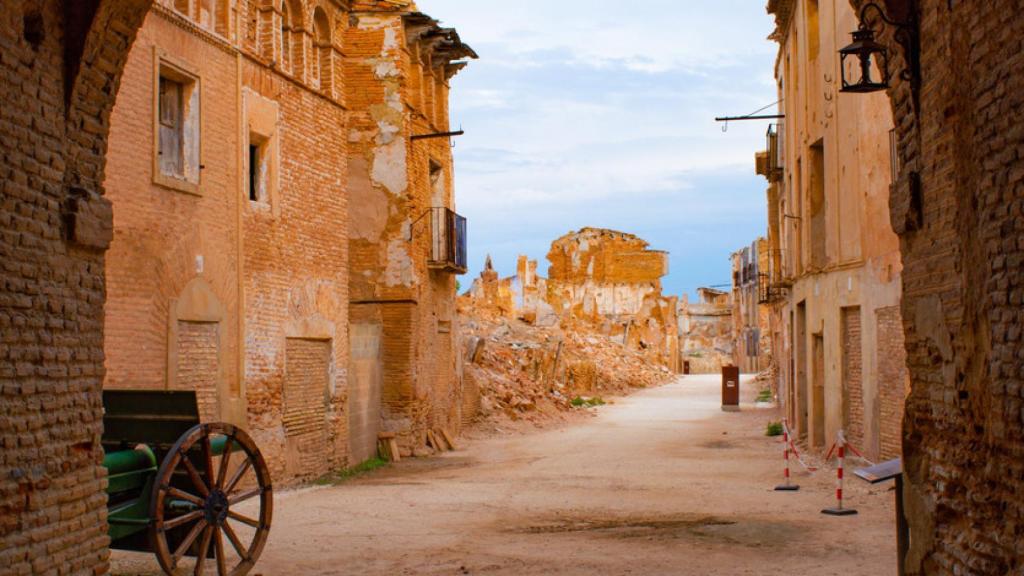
x,y
448,439
396,456
432,438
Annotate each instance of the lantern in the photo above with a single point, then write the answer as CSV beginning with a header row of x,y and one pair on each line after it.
x,y
859,60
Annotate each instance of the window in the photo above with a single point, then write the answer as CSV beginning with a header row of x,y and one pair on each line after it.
x,y
259,164
286,32
813,33
176,127
322,69
260,151
171,150
291,38
254,171
437,186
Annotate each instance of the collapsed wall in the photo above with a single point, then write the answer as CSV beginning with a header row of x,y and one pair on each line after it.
x,y
598,324
605,280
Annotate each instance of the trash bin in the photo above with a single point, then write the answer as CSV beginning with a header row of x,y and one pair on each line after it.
x,y
730,388
686,366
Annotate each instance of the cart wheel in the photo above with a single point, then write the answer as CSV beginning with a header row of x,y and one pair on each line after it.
x,y
194,503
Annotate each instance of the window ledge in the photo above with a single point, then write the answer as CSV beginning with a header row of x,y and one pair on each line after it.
x,y
178,184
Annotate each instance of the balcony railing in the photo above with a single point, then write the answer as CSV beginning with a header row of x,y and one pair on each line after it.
x,y
447,241
775,152
772,284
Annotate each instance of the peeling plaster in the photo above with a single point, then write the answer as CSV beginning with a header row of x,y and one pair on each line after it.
x,y
390,39
389,164
385,69
399,270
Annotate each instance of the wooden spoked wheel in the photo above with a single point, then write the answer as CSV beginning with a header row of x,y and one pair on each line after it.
x,y
204,503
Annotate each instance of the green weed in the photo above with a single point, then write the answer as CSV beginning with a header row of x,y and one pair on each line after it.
x,y
341,476
581,402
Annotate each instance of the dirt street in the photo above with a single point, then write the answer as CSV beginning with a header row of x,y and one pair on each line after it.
x,y
661,482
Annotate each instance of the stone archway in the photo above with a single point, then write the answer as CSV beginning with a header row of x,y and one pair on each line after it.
x,y
958,207
58,81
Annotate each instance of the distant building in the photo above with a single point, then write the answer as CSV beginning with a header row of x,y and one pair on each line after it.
x,y
609,279
751,314
706,340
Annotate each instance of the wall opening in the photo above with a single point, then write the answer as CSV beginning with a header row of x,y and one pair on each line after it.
x,y
176,128
172,127
818,390
198,367
322,69
852,374
305,396
818,207
254,170
800,343
813,30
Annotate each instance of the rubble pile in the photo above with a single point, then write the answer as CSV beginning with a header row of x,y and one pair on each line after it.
x,y
517,371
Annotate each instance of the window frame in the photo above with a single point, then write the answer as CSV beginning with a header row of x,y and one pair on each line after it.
x,y
190,180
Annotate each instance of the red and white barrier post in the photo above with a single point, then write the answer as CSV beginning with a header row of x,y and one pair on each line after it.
x,y
838,510
786,486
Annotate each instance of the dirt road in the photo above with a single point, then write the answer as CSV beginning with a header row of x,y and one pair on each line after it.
x,y
661,482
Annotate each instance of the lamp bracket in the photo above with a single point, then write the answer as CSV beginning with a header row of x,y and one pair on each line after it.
x,y
906,35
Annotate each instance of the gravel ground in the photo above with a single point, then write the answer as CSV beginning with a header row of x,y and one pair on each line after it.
x,y
660,482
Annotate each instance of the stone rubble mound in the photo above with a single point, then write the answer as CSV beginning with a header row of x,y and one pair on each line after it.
x,y
515,371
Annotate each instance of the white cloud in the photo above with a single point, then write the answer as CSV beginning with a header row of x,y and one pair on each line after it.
x,y
599,113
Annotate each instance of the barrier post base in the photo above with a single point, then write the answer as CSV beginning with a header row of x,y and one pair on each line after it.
x,y
787,488
839,511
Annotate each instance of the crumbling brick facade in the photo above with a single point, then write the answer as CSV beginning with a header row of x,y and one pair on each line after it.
x,y
252,251
404,240
612,279
233,279
607,279
60,69
958,207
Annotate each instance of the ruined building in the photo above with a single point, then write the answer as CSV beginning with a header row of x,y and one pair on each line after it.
x,y
612,279
834,266
752,318
607,279
270,249
706,332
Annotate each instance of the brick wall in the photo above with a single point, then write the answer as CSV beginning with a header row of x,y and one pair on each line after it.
x,y
397,86
305,399
199,365
853,376
961,131
58,80
265,271
892,380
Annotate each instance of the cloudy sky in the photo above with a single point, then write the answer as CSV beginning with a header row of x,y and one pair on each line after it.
x,y
600,113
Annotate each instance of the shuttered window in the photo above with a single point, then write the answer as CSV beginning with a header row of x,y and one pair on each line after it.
x,y
171,127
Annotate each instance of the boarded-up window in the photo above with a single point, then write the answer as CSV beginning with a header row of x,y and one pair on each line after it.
x,y
172,159
853,381
305,385
307,369
892,380
198,365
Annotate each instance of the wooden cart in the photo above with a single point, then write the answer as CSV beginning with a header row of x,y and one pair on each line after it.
x,y
207,505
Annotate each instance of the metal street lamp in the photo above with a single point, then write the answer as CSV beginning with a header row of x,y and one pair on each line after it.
x,y
857,59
